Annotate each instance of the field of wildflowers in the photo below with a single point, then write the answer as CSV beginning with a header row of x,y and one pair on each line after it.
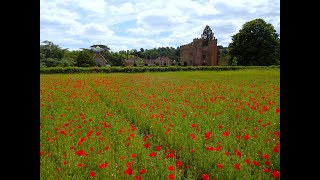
x,y
175,125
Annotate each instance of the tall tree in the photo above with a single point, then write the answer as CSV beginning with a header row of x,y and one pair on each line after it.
x,y
51,54
85,59
255,44
207,35
100,47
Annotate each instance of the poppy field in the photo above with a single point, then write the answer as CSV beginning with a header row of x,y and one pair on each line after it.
x,y
174,125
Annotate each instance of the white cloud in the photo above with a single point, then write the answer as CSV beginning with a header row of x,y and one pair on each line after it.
x,y
97,6
144,24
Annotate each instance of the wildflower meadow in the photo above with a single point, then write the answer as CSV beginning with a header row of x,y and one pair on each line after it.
x,y
208,125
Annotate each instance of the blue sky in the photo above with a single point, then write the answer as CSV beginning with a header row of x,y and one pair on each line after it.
x,y
135,24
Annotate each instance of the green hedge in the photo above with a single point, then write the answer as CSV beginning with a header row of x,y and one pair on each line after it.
x,y
131,69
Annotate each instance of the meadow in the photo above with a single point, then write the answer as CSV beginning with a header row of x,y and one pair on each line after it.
x,y
161,125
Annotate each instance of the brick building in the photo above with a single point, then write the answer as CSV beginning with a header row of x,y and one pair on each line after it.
x,y
194,54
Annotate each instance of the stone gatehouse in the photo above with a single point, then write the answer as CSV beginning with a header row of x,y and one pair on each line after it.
x,y
194,54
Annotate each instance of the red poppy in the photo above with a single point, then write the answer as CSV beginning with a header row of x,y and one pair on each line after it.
x,y
103,165
133,155
80,153
256,163
146,145
128,171
225,134
170,155
171,176
207,135
193,125
142,171
238,153
266,170
152,154
276,149
92,174
205,177
276,174
219,166
247,161
158,148
265,108
192,136
80,165
137,177
267,163
63,132
246,137
237,166
265,156
65,162
277,110
210,148
170,168
178,164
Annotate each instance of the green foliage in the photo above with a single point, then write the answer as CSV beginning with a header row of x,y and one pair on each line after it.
x,y
51,55
207,35
131,69
85,59
256,44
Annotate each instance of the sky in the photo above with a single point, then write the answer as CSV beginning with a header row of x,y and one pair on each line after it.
x,y
148,24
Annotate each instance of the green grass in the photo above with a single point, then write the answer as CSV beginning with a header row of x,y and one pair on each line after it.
x,y
187,114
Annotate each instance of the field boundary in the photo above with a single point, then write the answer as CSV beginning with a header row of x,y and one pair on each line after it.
x,y
76,70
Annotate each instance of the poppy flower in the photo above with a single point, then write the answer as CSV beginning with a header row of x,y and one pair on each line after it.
x,y
170,168
276,174
146,145
246,137
92,174
237,166
171,176
142,171
220,166
128,171
178,164
133,155
266,170
265,156
103,165
207,135
205,177
152,154
267,163
80,153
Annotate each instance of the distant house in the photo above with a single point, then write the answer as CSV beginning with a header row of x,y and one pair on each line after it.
x,y
160,61
100,60
163,60
131,61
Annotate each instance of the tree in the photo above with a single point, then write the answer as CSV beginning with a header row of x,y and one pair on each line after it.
x,y
207,35
255,44
51,55
100,46
85,59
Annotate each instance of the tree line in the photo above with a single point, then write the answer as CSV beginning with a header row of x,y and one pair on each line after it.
x,y
256,44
